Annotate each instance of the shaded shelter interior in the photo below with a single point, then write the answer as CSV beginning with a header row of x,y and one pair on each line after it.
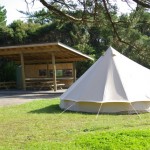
x,y
46,56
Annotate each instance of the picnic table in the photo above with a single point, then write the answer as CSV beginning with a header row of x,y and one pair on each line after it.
x,y
42,83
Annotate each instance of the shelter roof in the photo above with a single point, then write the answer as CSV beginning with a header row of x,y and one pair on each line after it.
x,y
41,53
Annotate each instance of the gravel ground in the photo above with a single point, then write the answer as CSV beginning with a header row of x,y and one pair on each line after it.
x,y
9,97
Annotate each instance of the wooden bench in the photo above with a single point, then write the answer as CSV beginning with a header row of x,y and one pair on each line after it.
x,y
59,85
33,85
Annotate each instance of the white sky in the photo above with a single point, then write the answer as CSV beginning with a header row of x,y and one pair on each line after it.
x,y
13,5
123,7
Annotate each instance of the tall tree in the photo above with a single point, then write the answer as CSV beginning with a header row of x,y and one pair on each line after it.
x,y
2,16
90,12
42,17
19,28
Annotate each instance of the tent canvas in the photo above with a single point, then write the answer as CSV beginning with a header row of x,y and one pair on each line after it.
x,y
114,82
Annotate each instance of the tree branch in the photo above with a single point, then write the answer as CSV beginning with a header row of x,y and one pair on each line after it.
x,y
113,26
58,12
84,19
128,4
144,4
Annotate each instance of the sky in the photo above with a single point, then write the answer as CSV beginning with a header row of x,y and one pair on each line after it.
x,y
13,5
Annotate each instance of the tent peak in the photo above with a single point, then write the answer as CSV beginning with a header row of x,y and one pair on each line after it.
x,y
111,48
111,51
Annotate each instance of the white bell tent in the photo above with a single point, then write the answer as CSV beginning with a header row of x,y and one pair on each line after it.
x,y
113,84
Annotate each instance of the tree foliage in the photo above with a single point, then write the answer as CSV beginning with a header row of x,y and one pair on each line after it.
x,y
7,70
41,17
90,11
97,27
2,16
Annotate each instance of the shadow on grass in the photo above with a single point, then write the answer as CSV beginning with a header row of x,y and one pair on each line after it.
x,y
55,109
49,109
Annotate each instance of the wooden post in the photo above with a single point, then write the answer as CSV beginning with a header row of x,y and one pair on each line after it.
x,y
74,72
23,72
54,72
48,75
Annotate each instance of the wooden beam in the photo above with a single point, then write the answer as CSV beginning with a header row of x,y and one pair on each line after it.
x,y
23,71
45,61
54,71
26,51
74,71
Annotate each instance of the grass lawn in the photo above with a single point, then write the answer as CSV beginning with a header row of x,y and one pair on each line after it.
x,y
38,125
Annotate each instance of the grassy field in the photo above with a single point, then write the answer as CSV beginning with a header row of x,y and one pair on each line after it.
x,y
39,125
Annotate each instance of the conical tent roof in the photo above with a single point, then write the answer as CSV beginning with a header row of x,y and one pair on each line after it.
x,y
112,78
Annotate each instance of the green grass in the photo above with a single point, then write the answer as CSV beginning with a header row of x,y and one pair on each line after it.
x,y
38,125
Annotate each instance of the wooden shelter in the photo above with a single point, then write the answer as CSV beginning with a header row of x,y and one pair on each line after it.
x,y
46,53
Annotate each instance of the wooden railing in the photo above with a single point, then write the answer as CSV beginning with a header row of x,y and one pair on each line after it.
x,y
7,85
